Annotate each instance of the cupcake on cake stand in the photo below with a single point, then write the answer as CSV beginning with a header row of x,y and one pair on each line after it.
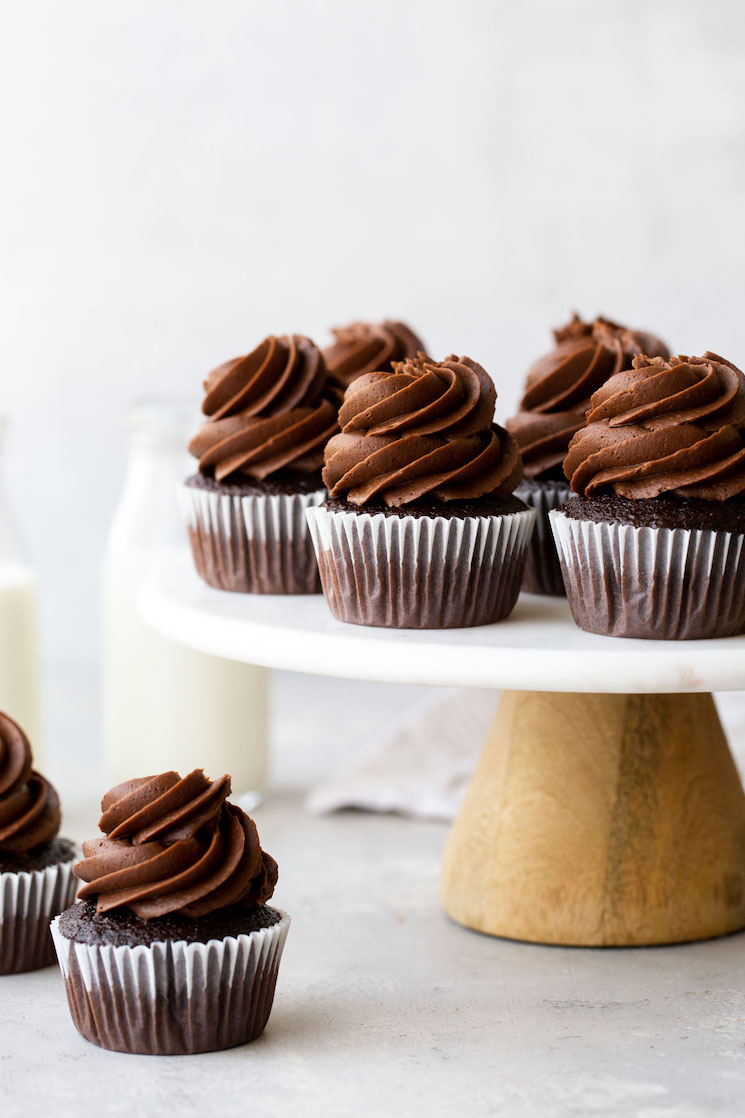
x,y
606,808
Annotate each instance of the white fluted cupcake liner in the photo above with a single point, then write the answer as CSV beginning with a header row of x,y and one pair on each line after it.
x,y
542,568
172,998
654,583
28,901
252,544
420,572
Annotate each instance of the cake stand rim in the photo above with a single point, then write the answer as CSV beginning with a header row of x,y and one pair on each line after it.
x,y
538,648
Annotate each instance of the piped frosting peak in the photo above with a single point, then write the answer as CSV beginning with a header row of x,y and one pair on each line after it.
x,y
29,806
268,411
672,427
174,844
425,429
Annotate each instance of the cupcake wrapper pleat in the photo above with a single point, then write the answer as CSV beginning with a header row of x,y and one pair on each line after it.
x,y
654,583
252,544
171,999
28,901
542,568
420,572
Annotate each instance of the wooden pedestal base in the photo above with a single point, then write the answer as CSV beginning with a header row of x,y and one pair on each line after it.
x,y
601,820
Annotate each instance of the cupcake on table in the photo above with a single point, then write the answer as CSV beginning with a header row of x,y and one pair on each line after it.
x,y
36,880
260,454
367,347
421,528
172,947
651,545
557,393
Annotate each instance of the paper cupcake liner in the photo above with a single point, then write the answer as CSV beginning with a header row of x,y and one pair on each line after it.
x,y
655,583
252,544
28,901
421,572
542,568
172,998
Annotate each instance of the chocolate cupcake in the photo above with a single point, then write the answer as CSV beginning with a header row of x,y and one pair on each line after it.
x,y
36,879
652,543
260,456
421,529
172,948
365,347
557,393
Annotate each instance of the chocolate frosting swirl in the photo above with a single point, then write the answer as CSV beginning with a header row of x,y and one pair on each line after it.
x,y
29,806
364,347
424,429
268,411
173,844
672,427
559,386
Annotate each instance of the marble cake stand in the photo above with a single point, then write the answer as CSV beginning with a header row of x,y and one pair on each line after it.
x,y
606,808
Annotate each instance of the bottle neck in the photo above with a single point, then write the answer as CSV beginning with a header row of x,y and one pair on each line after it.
x,y
147,518
12,546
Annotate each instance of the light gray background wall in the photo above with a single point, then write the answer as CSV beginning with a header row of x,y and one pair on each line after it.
x,y
179,179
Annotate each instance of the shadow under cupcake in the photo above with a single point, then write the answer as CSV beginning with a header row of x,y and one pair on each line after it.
x,y
652,543
557,393
171,948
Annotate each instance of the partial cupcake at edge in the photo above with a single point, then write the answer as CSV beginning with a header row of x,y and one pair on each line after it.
x,y
651,542
36,880
421,528
260,454
557,393
368,347
172,947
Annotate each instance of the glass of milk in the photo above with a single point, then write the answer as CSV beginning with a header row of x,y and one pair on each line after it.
x,y
19,639
167,706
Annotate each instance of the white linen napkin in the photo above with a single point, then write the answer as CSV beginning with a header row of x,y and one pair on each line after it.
x,y
423,768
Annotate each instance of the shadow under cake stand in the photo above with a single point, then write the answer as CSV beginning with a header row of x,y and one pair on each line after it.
x,y
606,808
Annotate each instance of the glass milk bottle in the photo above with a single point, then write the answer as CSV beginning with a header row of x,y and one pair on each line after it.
x,y
19,640
167,706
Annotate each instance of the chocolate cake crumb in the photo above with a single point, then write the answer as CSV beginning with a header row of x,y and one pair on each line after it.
x,y
50,854
282,483
660,512
481,506
120,927
553,476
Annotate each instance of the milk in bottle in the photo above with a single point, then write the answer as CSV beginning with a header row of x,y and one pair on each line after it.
x,y
19,646
167,706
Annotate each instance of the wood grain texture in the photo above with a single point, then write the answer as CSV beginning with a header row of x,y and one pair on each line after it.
x,y
601,820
